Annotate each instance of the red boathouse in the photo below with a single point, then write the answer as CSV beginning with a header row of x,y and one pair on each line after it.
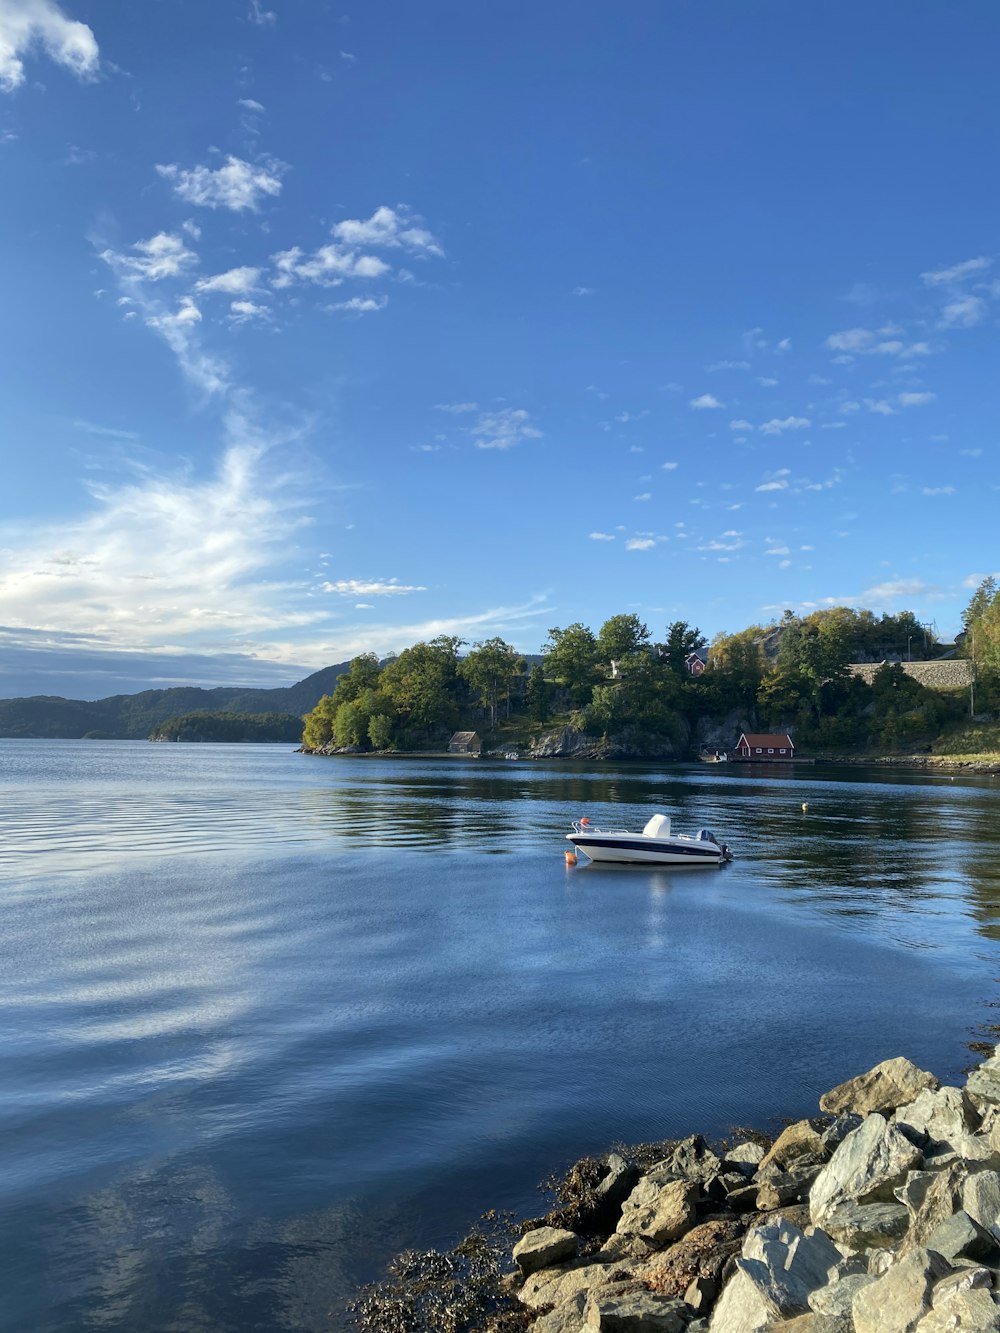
x,y
764,748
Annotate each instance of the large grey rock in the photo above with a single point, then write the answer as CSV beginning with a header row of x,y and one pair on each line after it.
x,y
932,1199
754,1298
667,1214
961,1237
837,1131
838,1297
962,1301
691,1159
868,1165
896,1302
744,1158
983,1084
636,1312
803,1258
566,1318
981,1199
890,1084
865,1225
939,1116
794,1141
618,1184
544,1247
555,1286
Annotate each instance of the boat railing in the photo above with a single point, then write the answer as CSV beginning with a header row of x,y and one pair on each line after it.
x,y
585,826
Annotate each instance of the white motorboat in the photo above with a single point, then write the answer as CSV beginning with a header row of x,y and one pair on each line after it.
x,y
655,845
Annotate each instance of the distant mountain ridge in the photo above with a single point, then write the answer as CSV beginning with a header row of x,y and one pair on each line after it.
x,y
134,716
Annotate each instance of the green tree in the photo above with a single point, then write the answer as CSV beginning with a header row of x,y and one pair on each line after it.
x,y
421,683
318,724
490,668
538,695
620,637
570,659
380,731
681,641
349,725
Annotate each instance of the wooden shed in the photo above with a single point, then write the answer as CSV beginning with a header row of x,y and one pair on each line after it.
x,y
465,742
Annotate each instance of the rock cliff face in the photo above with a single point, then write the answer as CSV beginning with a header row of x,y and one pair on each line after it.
x,y
568,743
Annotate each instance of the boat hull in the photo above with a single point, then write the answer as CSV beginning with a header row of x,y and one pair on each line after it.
x,y
647,851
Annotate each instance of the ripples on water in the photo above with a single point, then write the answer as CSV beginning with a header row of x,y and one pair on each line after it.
x,y
267,1019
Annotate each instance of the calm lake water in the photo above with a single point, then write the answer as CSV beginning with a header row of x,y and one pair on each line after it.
x,y
268,1019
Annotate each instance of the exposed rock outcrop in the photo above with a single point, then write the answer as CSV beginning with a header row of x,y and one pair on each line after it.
x,y
884,1220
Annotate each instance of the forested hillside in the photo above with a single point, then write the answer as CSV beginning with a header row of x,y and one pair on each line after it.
x,y
134,716
791,674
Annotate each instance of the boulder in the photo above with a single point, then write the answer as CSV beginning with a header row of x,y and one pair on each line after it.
x,y
795,1141
837,1131
838,1297
754,1298
981,1199
703,1253
898,1300
931,1200
963,1301
566,1318
940,1116
862,1226
665,1216
745,1158
636,1312
544,1247
555,1286
866,1168
961,1237
691,1159
618,1184
983,1085
890,1084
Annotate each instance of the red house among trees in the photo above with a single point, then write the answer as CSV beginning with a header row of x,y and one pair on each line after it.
x,y
764,748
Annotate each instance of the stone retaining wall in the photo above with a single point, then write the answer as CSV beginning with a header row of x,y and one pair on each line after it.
x,y
955,674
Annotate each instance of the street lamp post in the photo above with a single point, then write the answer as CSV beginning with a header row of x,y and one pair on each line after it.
x,y
909,640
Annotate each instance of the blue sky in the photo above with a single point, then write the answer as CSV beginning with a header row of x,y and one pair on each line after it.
x,y
326,328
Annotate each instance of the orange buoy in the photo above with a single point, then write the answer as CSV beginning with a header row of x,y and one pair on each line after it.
x,y
571,858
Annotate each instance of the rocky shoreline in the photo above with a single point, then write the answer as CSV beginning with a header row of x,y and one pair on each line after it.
x,y
881,1216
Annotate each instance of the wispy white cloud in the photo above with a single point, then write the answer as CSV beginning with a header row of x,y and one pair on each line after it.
x,y
728,365
234,282
163,256
236,185
939,490
264,18
601,537
772,486
945,277
873,342
249,104
27,25
372,588
963,313
669,467
326,267
741,424
705,400
247,312
362,305
765,381
504,429
776,426
583,291
916,399
457,408
640,543
389,228
110,432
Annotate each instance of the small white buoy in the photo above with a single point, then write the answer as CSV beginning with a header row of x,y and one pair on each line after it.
x,y
805,805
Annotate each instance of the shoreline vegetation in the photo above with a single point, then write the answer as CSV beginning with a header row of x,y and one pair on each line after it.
x,y
880,1215
847,685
